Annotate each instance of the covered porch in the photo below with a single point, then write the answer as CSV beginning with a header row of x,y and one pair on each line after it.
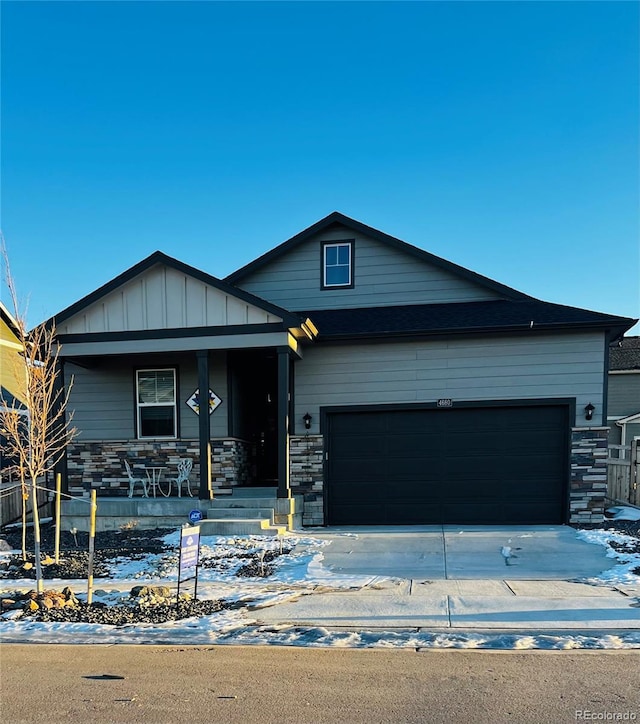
x,y
138,355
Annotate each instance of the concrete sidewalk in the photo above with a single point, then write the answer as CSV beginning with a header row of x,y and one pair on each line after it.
x,y
478,604
480,577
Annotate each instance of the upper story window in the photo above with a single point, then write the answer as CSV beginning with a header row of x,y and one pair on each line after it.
x,y
156,403
337,265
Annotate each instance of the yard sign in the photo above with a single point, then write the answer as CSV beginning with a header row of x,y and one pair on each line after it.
x,y
189,554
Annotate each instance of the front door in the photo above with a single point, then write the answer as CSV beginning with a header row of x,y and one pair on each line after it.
x,y
255,408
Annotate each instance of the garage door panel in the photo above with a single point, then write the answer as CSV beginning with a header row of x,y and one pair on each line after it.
x,y
359,421
495,464
361,471
415,445
420,513
357,445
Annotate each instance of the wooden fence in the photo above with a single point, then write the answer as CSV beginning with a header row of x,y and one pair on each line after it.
x,y
623,481
11,503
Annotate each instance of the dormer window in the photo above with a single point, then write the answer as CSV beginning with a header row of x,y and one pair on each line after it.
x,y
337,265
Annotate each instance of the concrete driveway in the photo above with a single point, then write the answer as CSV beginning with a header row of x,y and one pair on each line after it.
x,y
464,577
462,552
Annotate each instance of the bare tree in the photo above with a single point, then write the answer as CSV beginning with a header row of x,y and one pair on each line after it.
x,y
37,441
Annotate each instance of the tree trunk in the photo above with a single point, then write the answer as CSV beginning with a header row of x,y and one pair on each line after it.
x,y
25,496
36,537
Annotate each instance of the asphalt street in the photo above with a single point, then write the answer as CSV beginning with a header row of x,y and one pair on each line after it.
x,y
236,684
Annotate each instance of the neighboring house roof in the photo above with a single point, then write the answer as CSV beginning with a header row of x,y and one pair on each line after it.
x,y
336,218
9,320
629,418
460,317
158,257
10,402
625,355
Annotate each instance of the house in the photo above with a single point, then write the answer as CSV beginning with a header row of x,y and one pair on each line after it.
x,y
12,382
623,403
350,370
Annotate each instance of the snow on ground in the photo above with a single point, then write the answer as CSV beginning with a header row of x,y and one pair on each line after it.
x,y
624,512
300,572
627,562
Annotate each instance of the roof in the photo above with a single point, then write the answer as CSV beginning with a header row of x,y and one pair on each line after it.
x,y
9,320
460,318
625,355
338,219
9,401
158,257
629,418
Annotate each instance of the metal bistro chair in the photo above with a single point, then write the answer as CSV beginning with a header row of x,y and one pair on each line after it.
x,y
133,480
184,470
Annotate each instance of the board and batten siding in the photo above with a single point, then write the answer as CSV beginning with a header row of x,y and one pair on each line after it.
x,y
164,298
103,399
501,368
384,276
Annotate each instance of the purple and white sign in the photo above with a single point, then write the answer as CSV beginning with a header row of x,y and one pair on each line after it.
x,y
189,550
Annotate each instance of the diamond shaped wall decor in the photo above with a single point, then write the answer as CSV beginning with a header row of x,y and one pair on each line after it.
x,y
194,401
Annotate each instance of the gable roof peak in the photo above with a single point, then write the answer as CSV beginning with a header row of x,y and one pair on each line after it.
x,y
159,257
336,217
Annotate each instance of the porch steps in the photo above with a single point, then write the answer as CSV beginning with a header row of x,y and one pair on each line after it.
x,y
252,512
240,526
245,511
237,512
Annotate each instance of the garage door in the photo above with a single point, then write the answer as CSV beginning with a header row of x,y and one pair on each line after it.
x,y
460,465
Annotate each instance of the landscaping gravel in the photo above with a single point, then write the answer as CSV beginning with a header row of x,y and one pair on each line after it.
x,y
132,544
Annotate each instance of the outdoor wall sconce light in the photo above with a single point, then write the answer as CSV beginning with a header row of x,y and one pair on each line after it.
x,y
588,411
307,421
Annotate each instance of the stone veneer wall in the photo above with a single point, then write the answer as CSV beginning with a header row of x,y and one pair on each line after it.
x,y
588,486
230,462
101,464
306,458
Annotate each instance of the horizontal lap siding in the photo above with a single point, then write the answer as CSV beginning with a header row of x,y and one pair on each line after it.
x,y
472,369
624,394
383,276
103,400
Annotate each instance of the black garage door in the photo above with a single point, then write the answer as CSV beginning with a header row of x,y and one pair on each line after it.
x,y
498,464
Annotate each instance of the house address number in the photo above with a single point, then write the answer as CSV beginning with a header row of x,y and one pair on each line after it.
x,y
445,402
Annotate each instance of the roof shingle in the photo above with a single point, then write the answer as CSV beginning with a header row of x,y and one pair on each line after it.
x,y
459,317
626,355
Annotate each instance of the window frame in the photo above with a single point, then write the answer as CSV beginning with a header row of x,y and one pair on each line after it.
x,y
350,243
139,405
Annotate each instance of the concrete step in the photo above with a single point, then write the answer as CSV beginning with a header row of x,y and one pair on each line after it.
x,y
235,502
296,521
235,512
240,526
279,505
121,522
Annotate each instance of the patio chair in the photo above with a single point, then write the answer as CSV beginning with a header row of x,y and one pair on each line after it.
x,y
184,470
133,480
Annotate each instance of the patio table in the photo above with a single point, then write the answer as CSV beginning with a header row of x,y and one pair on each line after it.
x,y
154,473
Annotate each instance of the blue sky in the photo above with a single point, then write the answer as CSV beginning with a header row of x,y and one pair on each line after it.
x,y
501,136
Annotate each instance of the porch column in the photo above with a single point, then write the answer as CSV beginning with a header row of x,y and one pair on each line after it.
x,y
284,376
204,425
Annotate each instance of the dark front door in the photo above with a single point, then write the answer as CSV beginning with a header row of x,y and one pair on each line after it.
x,y
500,464
255,406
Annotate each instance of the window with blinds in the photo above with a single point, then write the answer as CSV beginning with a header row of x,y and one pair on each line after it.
x,y
156,403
